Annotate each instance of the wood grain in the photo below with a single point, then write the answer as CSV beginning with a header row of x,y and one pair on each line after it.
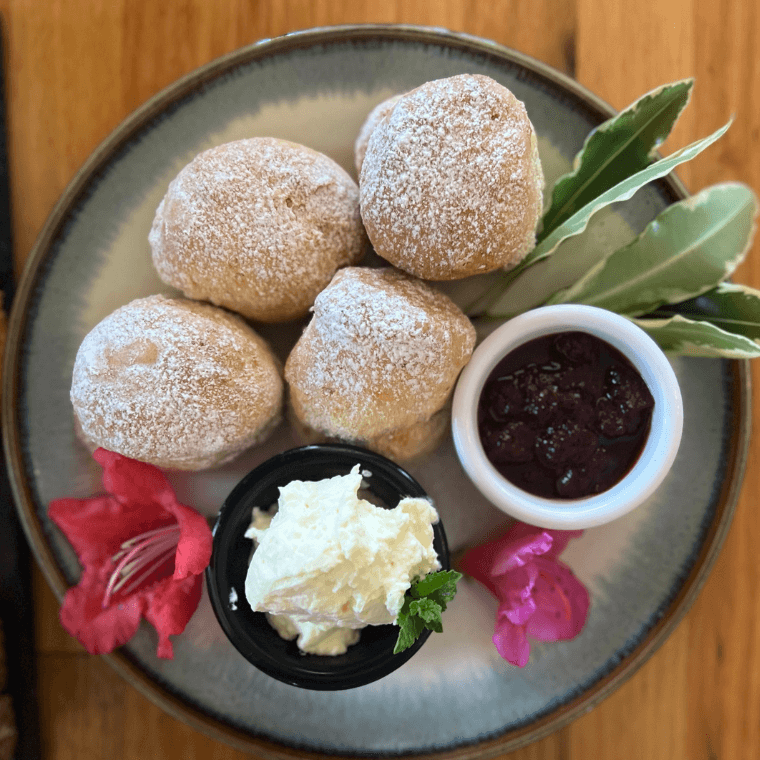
x,y
76,68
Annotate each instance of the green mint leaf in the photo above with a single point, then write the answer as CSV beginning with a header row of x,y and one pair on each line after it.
x,y
687,250
433,581
410,628
424,602
429,612
443,595
617,149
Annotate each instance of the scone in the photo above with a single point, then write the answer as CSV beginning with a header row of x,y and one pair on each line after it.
x,y
375,116
175,383
451,182
400,445
258,226
377,363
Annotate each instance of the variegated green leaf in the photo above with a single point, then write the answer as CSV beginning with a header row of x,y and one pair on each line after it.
x,y
620,192
680,335
691,247
620,147
731,307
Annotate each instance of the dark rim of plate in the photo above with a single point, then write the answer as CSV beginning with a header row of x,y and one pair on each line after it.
x,y
563,89
372,657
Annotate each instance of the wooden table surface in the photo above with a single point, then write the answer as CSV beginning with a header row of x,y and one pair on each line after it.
x,y
76,68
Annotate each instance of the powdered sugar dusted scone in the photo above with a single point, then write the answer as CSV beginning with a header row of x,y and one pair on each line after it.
x,y
401,444
378,361
376,115
258,226
451,183
175,383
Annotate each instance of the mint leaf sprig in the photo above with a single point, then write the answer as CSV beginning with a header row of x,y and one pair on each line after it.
x,y
424,603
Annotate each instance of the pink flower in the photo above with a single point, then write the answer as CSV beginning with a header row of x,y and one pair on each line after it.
x,y
538,595
142,553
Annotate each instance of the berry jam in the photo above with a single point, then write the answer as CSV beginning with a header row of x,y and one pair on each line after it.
x,y
564,416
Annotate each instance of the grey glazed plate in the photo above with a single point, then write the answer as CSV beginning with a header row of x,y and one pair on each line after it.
x,y
456,696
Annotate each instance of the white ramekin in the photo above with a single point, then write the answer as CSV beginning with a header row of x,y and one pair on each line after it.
x,y
655,459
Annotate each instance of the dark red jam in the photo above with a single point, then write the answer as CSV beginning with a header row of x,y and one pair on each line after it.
x,y
564,416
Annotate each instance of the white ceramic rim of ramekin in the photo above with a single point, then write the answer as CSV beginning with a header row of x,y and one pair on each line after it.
x,y
652,465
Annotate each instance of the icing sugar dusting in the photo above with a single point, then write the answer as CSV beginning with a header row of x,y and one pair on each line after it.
x,y
451,184
376,115
382,352
258,226
175,383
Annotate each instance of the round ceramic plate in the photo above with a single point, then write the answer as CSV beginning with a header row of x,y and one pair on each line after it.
x,y
456,695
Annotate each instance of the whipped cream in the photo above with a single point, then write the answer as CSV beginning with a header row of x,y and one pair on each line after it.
x,y
329,562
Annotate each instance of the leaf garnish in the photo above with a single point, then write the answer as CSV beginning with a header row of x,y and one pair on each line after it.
x,y
725,322
429,612
731,307
578,222
424,602
410,628
620,147
680,335
671,279
622,191
687,250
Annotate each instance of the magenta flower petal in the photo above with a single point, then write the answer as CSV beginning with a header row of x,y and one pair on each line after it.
x,y
511,642
516,594
477,563
520,611
520,551
539,596
142,554
560,540
562,603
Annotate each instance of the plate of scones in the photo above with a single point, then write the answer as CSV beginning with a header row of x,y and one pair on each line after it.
x,y
280,249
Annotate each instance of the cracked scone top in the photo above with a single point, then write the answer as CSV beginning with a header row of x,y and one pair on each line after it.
x,y
175,383
451,182
258,226
379,357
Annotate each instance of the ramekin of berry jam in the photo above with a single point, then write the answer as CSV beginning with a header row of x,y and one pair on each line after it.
x,y
567,416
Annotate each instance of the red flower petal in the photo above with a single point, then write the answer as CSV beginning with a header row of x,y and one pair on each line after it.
x,y
99,630
136,482
97,527
195,541
170,605
133,482
141,500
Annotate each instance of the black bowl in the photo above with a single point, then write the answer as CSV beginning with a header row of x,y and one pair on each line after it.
x,y
366,661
